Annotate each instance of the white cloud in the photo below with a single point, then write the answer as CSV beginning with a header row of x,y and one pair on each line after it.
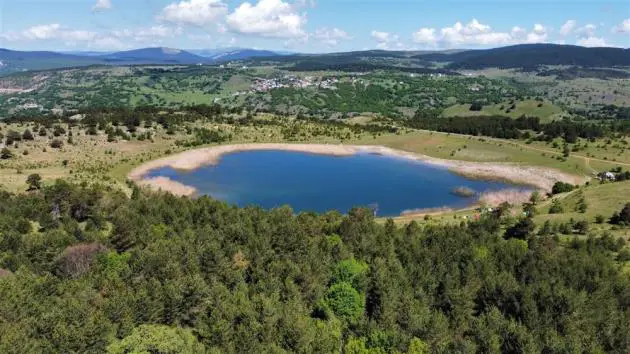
x,y
623,27
382,36
537,35
568,27
102,5
331,36
425,36
476,33
268,18
592,42
194,12
518,33
386,40
54,31
473,33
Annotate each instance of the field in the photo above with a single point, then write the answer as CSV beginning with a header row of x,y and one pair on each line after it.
x,y
602,199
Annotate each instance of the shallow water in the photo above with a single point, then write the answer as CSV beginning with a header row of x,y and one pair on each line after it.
x,y
309,182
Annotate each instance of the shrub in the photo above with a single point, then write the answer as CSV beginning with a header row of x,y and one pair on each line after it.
x,y
58,131
623,217
476,107
13,136
6,154
27,135
561,187
56,144
582,227
34,181
556,207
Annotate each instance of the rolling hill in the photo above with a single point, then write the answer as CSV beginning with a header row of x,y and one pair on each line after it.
x,y
154,56
533,55
14,61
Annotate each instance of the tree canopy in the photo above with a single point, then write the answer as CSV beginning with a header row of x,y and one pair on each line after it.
x,y
86,269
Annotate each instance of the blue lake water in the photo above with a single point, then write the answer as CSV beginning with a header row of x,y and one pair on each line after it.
x,y
309,182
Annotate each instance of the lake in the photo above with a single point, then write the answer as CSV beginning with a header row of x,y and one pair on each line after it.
x,y
309,182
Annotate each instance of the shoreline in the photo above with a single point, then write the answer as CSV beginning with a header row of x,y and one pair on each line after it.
x,y
537,177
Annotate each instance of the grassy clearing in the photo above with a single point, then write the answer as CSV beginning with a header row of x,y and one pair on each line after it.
x,y
547,112
467,148
602,199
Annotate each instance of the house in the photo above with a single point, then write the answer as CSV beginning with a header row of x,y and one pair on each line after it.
x,y
609,176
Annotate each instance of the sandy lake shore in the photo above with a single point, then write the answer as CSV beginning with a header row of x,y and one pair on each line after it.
x,y
538,177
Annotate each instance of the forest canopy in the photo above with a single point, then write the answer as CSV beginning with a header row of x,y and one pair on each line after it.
x,y
85,269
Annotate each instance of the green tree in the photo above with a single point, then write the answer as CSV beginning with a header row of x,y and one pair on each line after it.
x,y
556,207
351,271
521,230
34,181
157,339
417,346
345,301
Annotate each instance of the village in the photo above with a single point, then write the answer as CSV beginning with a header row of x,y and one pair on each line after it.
x,y
264,85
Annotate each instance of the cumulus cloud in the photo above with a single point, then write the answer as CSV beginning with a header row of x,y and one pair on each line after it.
x,y
53,31
623,27
199,13
268,18
102,5
568,27
386,40
425,36
331,36
538,34
476,33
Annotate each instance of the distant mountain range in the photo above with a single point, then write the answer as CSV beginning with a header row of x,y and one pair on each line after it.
x,y
519,56
16,61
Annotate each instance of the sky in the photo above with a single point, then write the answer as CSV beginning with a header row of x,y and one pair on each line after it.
x,y
309,26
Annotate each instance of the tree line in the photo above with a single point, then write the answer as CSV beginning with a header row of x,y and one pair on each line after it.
x,y
507,128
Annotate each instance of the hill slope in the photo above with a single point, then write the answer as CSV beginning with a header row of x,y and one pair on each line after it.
x,y
154,56
13,61
531,55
